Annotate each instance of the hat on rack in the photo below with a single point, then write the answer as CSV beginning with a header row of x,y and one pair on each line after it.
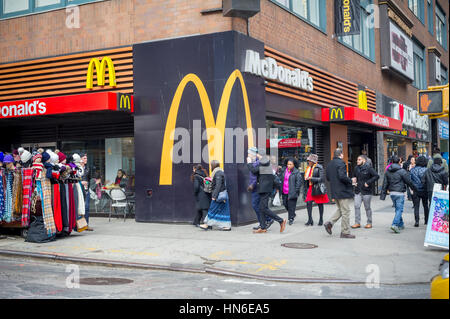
x,y
2,156
25,157
8,159
35,157
54,158
313,158
45,157
76,158
61,156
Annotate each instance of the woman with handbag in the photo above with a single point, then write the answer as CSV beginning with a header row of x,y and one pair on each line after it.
x,y
290,179
219,211
316,189
202,198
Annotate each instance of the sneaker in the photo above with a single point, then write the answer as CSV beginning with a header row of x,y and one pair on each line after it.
x,y
356,226
347,236
260,231
291,221
328,227
395,229
368,226
269,224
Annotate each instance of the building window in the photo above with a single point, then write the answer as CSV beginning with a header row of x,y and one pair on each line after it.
x,y
419,67
363,43
444,75
417,7
441,27
312,11
430,16
16,8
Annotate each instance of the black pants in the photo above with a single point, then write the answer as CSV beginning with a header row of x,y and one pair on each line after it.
x,y
290,205
309,206
265,211
201,213
417,196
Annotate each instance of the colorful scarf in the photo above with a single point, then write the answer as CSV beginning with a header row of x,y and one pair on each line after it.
x,y
57,216
17,195
38,167
309,172
8,196
27,183
2,196
44,188
81,210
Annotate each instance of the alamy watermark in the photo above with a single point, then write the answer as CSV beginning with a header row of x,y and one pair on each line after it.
x,y
373,279
73,279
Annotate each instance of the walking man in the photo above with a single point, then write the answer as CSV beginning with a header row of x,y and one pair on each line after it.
x,y
395,181
252,154
264,186
342,192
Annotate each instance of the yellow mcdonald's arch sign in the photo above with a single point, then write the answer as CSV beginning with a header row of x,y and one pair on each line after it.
x,y
215,145
100,68
336,114
125,102
362,100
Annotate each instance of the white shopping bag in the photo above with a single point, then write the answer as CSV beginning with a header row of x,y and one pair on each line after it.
x,y
276,200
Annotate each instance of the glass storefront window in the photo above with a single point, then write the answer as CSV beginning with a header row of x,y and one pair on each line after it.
x,y
105,158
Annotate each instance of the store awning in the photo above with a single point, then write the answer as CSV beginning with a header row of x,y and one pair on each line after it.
x,y
360,117
88,102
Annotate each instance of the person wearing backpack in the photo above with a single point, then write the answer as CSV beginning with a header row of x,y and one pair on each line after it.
x,y
202,192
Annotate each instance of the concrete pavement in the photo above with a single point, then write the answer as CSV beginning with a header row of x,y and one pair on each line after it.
x,y
375,253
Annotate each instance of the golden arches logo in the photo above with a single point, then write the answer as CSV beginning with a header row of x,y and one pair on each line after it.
x,y
336,114
100,68
215,145
125,102
362,100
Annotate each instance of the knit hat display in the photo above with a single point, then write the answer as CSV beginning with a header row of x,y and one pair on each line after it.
x,y
20,150
313,158
61,156
8,159
76,158
25,156
45,157
35,157
54,158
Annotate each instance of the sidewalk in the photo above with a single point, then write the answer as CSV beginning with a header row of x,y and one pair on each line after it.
x,y
400,258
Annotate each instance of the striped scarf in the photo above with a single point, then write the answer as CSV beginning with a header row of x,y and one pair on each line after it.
x,y
17,195
2,196
38,167
27,183
8,196
44,188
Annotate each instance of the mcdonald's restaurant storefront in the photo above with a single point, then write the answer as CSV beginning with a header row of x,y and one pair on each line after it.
x,y
46,103
179,90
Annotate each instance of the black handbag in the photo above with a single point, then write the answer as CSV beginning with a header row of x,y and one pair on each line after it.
x,y
318,189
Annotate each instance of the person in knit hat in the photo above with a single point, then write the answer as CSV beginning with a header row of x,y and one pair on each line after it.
x,y
25,157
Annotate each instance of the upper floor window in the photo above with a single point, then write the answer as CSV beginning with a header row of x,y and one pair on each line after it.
x,y
363,43
441,27
312,11
420,81
15,8
430,15
417,7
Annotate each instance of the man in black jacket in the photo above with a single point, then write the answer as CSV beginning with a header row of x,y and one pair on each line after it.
x,y
436,174
364,176
395,181
341,190
264,186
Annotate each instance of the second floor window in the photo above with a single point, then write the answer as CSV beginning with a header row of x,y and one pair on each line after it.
x,y
364,42
441,27
419,67
417,7
313,11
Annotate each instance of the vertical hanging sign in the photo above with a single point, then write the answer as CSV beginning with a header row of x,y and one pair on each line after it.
x,y
347,17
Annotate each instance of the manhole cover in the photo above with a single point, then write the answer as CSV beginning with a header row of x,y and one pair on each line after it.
x,y
299,245
103,281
